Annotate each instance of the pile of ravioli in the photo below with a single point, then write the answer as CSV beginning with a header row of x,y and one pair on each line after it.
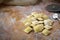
x,y
38,22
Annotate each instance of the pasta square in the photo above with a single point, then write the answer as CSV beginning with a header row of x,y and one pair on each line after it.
x,y
46,32
38,28
28,29
27,20
48,22
47,27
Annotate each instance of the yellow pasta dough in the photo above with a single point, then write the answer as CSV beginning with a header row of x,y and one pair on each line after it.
x,y
27,20
35,22
41,15
41,25
38,22
45,17
47,27
29,16
33,25
38,28
41,22
48,22
46,32
37,15
27,23
40,19
28,29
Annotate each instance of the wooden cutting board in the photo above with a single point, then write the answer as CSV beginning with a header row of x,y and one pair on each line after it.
x,y
11,26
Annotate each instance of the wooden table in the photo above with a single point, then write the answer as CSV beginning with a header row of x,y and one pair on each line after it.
x,y
11,26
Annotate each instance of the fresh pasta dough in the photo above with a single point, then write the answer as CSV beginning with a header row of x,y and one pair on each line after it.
x,y
47,27
46,32
39,23
38,28
48,22
28,29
